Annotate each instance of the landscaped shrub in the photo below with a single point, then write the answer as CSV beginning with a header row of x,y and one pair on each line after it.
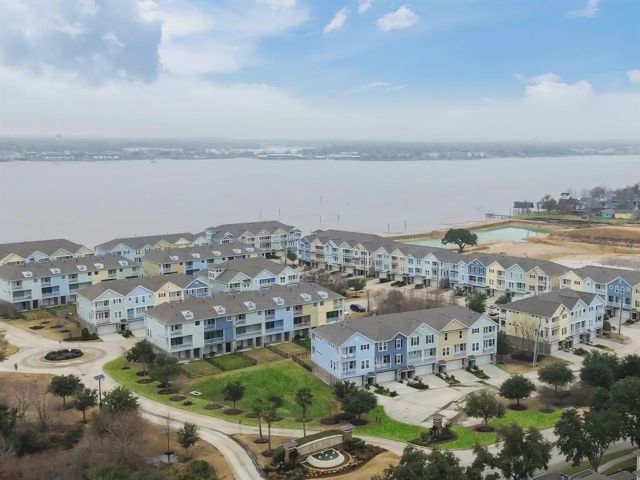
x,y
429,437
419,286
384,280
177,398
187,403
478,372
525,356
212,406
418,384
580,351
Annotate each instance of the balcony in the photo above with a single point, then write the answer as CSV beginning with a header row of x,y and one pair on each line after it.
x,y
211,341
489,350
181,346
176,333
349,373
349,355
383,366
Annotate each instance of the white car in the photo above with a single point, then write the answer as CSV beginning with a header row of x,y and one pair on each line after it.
x,y
494,312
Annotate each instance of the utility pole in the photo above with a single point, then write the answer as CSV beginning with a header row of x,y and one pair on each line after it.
x,y
620,317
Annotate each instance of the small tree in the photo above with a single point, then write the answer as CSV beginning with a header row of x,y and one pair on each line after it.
x,y
271,415
120,400
484,405
259,406
291,256
600,369
503,345
476,302
188,436
343,388
359,402
304,399
557,374
416,464
460,237
142,352
589,437
358,283
548,203
517,388
64,386
85,398
165,369
233,392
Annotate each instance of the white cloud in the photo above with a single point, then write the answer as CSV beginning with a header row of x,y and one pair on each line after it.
x,y
280,4
590,10
337,22
364,6
634,76
182,106
365,87
395,88
112,39
400,19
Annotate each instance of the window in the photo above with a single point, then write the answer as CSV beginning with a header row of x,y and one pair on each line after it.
x,y
460,334
475,347
445,351
382,346
446,336
429,339
364,346
398,343
364,364
398,358
475,330
415,341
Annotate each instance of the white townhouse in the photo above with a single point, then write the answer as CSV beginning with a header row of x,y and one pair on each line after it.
x,y
115,306
227,323
249,274
271,235
41,250
50,283
134,248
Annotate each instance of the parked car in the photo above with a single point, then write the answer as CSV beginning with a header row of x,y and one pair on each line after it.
x,y
494,312
356,307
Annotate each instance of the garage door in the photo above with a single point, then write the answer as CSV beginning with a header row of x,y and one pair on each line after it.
x,y
386,376
483,359
454,365
424,369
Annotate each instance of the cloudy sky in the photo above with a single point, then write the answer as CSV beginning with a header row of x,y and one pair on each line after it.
x,y
321,69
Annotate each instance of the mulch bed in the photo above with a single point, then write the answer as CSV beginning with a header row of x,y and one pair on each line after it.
x,y
212,406
232,411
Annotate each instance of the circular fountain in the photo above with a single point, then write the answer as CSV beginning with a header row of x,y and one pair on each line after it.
x,y
64,354
329,458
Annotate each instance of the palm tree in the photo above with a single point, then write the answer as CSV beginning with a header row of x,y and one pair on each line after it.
x,y
260,405
271,415
304,399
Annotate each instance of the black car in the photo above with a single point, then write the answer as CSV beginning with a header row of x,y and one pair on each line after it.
x,y
356,307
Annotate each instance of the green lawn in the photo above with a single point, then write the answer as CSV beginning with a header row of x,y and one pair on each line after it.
x,y
231,361
282,378
388,427
468,438
200,368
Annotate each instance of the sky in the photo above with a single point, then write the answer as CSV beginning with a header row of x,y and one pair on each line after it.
x,y
426,70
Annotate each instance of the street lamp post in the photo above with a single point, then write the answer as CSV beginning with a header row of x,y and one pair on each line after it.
x,y
99,378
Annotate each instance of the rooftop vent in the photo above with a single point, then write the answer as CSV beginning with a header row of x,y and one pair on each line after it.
x,y
220,310
195,255
27,274
173,258
323,294
306,297
99,266
279,301
123,263
82,268
55,271
216,253
187,314
237,250
250,305
250,249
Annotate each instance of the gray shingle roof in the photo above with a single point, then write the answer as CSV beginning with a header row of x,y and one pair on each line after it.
x,y
546,304
234,304
126,286
249,266
66,266
48,247
237,229
606,274
136,243
384,327
205,252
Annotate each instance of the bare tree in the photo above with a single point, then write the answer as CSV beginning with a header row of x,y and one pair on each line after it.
x,y
394,301
525,329
38,399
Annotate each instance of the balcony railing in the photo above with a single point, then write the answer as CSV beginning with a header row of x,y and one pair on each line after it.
x,y
176,333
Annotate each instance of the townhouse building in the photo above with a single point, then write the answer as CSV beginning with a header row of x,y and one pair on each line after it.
x,y
391,347
271,235
41,250
249,274
619,288
227,323
116,306
134,248
559,319
56,282
190,260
